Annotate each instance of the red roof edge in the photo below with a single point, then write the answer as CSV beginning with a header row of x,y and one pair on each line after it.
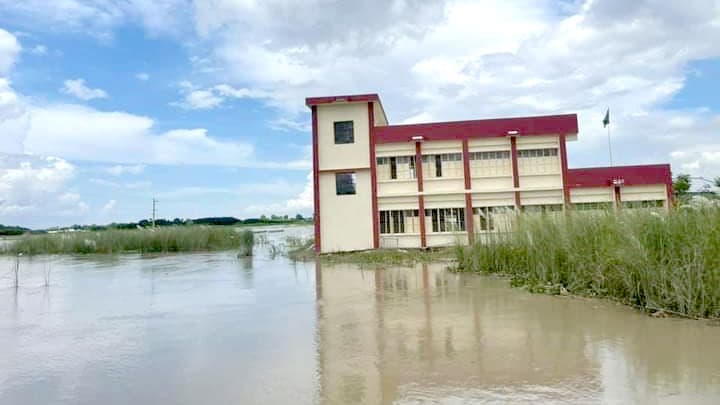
x,y
496,127
311,101
630,175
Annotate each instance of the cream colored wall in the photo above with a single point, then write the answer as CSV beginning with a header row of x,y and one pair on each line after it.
x,y
488,144
390,188
493,200
344,156
345,220
445,201
395,149
489,184
591,194
400,241
436,147
397,203
529,182
541,197
446,239
537,142
444,185
643,193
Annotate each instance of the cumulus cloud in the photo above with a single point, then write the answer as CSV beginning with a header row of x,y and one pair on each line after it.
x,y
302,203
196,98
142,76
119,170
9,49
38,50
33,189
475,59
78,88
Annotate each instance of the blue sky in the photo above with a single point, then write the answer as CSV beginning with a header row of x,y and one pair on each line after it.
x,y
105,104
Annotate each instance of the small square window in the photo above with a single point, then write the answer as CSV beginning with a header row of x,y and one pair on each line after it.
x,y
344,132
345,183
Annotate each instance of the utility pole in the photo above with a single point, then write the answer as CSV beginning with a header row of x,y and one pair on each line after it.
x,y
153,211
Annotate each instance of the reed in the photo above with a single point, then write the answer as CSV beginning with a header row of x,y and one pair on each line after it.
x,y
658,261
158,240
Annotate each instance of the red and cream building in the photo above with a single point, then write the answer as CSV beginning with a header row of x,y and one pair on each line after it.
x,y
437,184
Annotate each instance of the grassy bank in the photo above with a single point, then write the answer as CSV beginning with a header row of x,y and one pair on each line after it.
x,y
159,240
668,262
302,250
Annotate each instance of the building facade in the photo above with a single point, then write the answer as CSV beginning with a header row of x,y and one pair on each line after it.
x,y
437,184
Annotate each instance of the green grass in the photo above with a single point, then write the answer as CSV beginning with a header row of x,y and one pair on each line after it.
x,y
667,261
160,240
298,249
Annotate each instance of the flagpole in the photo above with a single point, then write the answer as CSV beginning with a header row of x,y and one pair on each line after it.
x,y
609,143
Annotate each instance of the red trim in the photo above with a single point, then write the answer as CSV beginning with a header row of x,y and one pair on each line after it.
x,y
346,170
515,171
312,101
488,128
316,179
669,189
421,199
469,224
468,186
373,177
631,176
564,168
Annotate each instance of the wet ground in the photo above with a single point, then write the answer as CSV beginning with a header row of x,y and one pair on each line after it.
x,y
215,329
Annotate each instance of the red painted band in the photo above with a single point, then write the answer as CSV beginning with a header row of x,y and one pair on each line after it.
x,y
373,177
316,179
564,169
515,170
469,224
468,186
631,176
421,199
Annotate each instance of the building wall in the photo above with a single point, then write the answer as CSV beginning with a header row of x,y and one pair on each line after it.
x,y
343,156
345,220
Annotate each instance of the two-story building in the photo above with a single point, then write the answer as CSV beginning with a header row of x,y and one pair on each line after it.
x,y
437,184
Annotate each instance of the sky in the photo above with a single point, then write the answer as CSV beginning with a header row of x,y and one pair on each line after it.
x,y
107,104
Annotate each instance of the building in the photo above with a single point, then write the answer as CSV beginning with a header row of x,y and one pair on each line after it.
x,y
437,184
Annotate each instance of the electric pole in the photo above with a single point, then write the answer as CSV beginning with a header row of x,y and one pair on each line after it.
x,y
153,211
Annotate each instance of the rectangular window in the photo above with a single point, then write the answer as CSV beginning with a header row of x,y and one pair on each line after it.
x,y
543,208
344,132
345,183
643,204
501,154
399,221
533,153
438,166
393,168
447,219
589,206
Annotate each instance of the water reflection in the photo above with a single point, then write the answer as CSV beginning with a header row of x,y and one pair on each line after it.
x,y
214,328
423,334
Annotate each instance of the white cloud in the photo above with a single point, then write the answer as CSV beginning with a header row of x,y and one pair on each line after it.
x,y
477,59
300,204
38,50
98,18
108,207
9,50
77,88
142,76
119,170
195,98
33,189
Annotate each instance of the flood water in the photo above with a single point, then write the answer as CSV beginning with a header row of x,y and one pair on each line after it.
x,y
215,329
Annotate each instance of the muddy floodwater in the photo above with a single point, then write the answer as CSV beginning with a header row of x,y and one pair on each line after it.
x,y
215,329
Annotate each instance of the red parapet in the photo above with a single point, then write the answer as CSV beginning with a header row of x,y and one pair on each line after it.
x,y
487,128
629,175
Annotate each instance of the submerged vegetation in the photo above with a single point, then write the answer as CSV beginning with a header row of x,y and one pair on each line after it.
x,y
665,262
159,240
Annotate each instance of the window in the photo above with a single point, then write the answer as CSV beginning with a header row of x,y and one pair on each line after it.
x,y
589,206
447,219
344,132
643,204
396,168
544,208
501,154
399,221
443,165
345,183
534,153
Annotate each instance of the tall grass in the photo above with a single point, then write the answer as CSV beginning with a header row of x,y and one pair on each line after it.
x,y
658,261
159,240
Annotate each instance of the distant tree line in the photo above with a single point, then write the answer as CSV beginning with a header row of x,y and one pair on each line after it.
x,y
146,223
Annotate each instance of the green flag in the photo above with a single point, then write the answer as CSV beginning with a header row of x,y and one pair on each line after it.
x,y
606,120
